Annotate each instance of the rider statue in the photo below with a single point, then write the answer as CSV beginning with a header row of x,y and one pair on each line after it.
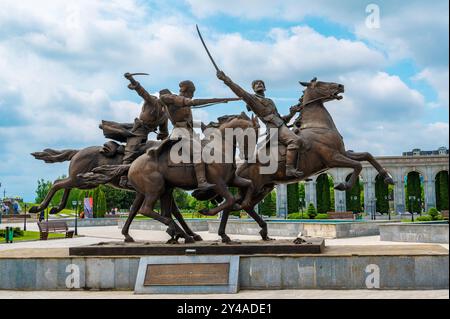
x,y
151,118
267,112
180,114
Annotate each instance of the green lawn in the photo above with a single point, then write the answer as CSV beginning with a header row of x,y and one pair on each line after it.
x,y
34,235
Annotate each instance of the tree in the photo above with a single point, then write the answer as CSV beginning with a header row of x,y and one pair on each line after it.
x,y
292,198
181,197
323,194
311,211
382,195
118,198
42,190
302,193
351,203
100,206
267,206
442,191
413,188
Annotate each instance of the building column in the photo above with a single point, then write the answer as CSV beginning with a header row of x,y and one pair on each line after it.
x,y
429,188
339,196
369,191
281,200
399,192
310,194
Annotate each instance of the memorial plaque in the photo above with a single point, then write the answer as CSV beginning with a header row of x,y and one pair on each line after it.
x,y
187,275
194,274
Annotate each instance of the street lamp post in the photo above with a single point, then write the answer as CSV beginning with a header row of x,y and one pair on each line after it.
x,y
420,206
301,203
411,200
389,209
25,219
374,208
75,207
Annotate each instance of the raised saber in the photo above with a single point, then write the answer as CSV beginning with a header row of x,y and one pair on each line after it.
x,y
207,51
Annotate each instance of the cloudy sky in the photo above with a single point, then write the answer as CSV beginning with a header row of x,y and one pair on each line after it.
x,y
62,65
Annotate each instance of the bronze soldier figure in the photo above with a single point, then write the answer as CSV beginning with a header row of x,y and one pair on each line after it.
x,y
180,114
266,110
152,117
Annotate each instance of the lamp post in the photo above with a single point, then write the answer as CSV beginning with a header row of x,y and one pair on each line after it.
x,y
301,203
420,206
374,208
411,200
25,219
75,207
389,209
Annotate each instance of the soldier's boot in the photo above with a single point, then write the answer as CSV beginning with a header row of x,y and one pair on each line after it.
x,y
201,176
291,163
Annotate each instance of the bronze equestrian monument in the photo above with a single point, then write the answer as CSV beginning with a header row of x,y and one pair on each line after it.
x,y
233,163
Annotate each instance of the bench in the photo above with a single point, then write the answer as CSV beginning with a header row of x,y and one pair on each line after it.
x,y
53,226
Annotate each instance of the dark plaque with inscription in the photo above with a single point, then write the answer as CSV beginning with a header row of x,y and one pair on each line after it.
x,y
198,274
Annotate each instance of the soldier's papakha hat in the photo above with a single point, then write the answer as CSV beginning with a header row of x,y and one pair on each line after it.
x,y
188,83
255,81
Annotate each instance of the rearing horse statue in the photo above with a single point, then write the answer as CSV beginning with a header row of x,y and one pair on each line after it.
x,y
326,150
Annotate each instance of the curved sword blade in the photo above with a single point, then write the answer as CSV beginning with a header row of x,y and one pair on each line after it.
x,y
207,51
139,73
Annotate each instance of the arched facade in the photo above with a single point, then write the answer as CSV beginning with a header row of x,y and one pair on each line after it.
x,y
397,166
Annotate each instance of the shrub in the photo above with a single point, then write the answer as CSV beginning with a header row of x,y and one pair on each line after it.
x,y
434,214
425,218
322,216
311,211
295,216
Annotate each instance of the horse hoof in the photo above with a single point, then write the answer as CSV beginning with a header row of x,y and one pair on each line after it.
x,y
172,241
33,210
189,240
197,237
226,239
388,180
53,211
129,239
340,187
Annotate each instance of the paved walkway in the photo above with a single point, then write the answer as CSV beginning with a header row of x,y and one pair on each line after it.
x,y
93,235
243,294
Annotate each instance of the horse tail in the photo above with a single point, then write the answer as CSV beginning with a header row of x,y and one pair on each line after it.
x,y
103,174
53,156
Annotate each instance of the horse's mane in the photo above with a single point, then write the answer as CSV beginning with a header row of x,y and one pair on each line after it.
x,y
227,118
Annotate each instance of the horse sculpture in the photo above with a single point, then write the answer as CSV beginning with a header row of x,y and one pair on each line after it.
x,y
154,177
326,151
82,167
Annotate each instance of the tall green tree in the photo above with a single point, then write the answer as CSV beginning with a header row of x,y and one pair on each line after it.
x,y
100,205
268,205
382,195
351,203
302,193
293,198
413,188
443,190
323,194
42,190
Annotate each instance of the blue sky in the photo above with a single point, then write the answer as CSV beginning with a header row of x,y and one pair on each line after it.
x,y
62,64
